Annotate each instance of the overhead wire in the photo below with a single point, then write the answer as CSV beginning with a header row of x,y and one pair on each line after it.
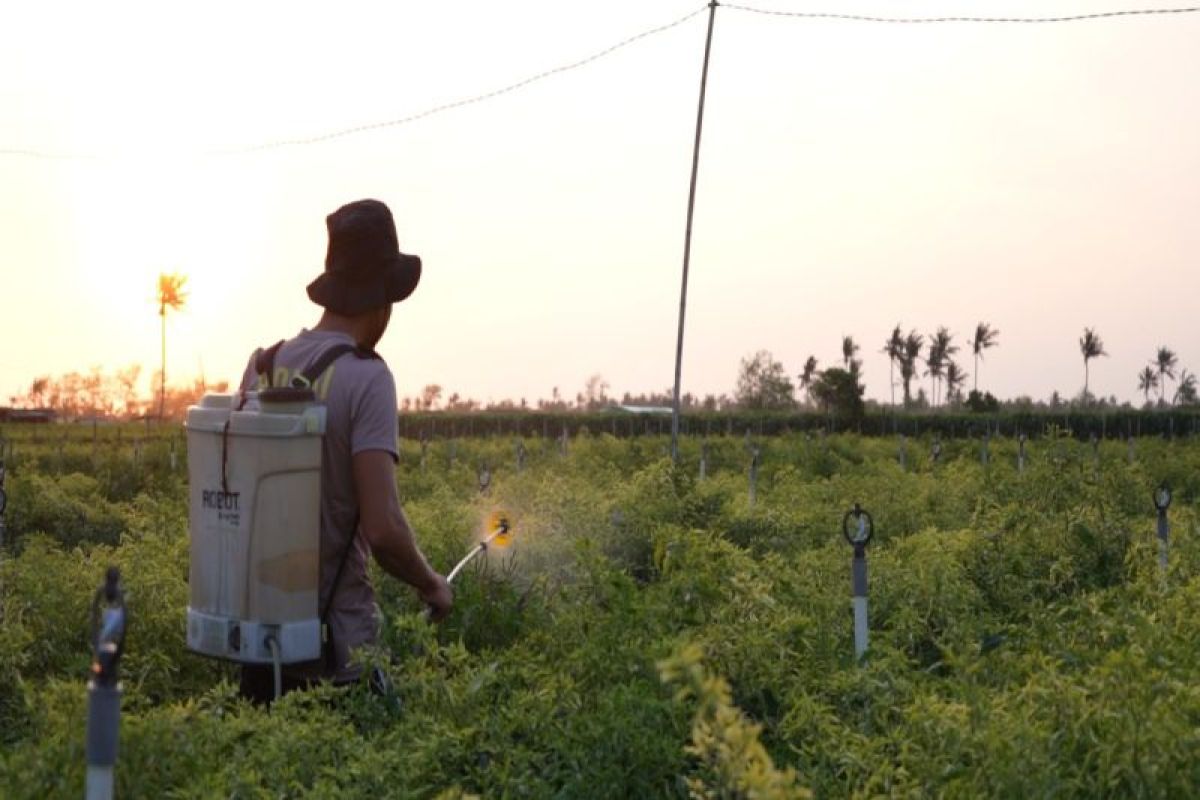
x,y
931,20
479,98
521,84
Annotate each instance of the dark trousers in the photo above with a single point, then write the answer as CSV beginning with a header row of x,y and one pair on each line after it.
x,y
258,683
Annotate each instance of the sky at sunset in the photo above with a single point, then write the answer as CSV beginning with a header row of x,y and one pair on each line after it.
x,y
1042,178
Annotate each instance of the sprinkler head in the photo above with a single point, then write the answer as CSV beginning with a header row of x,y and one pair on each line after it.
x,y
1162,497
858,532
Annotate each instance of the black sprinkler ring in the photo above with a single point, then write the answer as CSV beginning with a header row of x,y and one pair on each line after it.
x,y
1162,497
865,526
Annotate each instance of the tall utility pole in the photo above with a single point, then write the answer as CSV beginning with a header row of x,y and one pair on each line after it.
x,y
687,239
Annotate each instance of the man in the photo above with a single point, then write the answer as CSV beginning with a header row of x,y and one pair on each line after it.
x,y
365,273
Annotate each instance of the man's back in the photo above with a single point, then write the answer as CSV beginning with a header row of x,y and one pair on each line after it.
x,y
360,399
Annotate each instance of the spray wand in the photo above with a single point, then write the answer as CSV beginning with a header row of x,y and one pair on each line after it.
x,y
500,535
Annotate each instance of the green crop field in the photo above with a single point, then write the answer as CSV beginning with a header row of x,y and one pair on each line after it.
x,y
651,633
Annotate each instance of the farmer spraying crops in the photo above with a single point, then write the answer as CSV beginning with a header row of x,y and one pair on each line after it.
x,y
360,514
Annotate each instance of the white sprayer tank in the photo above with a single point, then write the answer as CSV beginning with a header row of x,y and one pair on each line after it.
x,y
255,530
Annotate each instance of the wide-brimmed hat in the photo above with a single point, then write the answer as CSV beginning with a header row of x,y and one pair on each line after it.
x,y
364,268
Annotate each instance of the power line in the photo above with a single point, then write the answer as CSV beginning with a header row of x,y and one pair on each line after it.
x,y
45,155
927,20
325,137
479,98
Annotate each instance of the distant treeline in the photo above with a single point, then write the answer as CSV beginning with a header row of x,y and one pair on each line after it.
x,y
1103,423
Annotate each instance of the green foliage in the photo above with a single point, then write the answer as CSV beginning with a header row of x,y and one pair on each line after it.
x,y
763,383
731,761
839,392
1023,639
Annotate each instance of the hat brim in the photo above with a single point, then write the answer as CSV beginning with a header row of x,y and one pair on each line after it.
x,y
338,293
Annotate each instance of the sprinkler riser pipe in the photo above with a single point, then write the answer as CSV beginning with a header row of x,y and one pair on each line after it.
x,y
1164,537
103,728
860,628
99,783
858,575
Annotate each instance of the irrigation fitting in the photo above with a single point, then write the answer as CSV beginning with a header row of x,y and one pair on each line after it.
x,y
108,623
858,527
1162,501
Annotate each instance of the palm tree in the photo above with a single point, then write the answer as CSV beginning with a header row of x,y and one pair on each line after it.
x,y
808,375
849,348
1147,380
170,296
893,348
1186,391
1090,346
985,337
1165,360
908,361
941,349
955,378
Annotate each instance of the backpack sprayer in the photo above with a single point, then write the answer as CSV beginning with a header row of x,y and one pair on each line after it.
x,y
254,490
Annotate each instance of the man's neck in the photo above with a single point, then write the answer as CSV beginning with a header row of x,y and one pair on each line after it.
x,y
336,323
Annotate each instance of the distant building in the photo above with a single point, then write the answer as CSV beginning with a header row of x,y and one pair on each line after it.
x,y
35,415
644,409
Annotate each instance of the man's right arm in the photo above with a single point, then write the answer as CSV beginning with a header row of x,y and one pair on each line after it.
x,y
389,534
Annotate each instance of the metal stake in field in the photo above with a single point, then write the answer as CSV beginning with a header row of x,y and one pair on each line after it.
x,y
984,455
858,528
104,688
687,238
3,500
755,453
1021,455
703,460
1162,501
903,454
520,448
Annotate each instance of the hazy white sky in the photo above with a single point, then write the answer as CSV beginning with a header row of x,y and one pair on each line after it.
x,y
1041,178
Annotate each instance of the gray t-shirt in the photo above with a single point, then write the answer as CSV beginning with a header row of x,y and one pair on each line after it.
x,y
360,399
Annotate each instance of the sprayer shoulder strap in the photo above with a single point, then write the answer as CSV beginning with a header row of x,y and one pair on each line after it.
x,y
264,362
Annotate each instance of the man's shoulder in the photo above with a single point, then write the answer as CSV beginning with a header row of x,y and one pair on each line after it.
x,y
353,370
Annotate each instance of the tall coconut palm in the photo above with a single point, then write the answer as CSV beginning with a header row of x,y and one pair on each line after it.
x,y
170,297
955,378
849,349
808,375
908,362
1147,380
1165,360
1185,393
1091,346
985,337
941,348
893,348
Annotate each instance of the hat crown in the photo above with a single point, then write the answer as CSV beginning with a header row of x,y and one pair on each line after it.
x,y
364,268
362,235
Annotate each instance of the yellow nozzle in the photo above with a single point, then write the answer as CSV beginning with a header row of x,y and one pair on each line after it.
x,y
499,525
